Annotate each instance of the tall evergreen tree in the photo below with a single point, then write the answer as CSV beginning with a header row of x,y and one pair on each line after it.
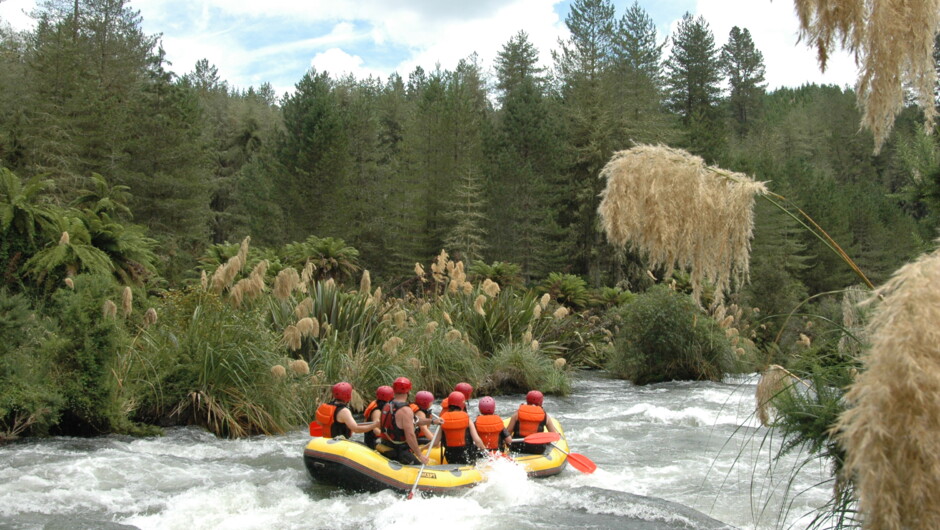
x,y
523,153
693,76
637,77
581,64
743,64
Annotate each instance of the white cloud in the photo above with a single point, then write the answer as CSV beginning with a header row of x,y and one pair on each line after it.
x,y
15,12
339,63
774,28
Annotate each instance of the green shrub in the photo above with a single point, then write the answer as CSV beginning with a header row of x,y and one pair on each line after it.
x,y
507,275
665,336
214,368
91,340
566,289
30,403
518,368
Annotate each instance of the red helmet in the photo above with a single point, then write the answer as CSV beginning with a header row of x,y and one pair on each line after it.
x,y
487,405
465,389
402,385
342,391
384,393
456,399
534,397
424,399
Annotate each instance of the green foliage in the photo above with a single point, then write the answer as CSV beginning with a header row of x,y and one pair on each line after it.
x,y
505,317
91,339
609,297
30,402
213,368
566,289
518,369
664,336
331,257
507,275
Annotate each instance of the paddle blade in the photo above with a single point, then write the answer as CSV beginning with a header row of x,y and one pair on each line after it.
x,y
316,429
542,438
581,463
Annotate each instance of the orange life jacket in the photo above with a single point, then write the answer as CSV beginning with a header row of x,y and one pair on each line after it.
x,y
489,427
530,420
326,417
390,430
456,428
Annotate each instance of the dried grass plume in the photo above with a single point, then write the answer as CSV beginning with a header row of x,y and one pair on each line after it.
x,y
893,44
891,430
667,204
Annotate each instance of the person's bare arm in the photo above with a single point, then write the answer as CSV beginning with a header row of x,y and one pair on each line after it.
x,y
347,419
375,417
405,420
511,426
550,423
423,422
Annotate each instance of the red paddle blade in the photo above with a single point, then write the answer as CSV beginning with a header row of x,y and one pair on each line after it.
x,y
581,463
542,438
316,429
411,495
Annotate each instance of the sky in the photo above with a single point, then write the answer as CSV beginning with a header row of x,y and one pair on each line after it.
x,y
276,41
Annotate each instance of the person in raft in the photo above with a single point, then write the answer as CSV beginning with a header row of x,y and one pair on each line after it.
x,y
373,413
398,426
530,418
459,432
463,388
422,410
335,416
490,427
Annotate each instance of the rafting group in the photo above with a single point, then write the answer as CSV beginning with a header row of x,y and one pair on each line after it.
x,y
399,443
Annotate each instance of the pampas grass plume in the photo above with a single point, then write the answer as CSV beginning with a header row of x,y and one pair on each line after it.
x,y
64,238
546,298
491,288
391,345
243,252
292,337
300,367
431,327
365,284
278,371
453,335
203,280
535,345
645,205
285,283
304,308
425,308
69,283
478,305
150,317
773,381
560,363
560,313
377,296
108,309
537,311
891,430
308,327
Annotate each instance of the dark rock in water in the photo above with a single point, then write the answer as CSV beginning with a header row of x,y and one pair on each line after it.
x,y
589,507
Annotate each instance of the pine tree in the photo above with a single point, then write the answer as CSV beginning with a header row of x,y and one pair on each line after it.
x,y
743,64
591,124
523,152
693,75
637,78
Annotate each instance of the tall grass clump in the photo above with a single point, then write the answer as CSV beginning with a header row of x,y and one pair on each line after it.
x,y
518,368
646,205
890,430
665,336
215,368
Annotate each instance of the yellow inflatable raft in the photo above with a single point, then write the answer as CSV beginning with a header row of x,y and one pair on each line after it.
x,y
354,466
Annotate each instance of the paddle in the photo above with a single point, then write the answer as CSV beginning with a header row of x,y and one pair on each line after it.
x,y
539,438
414,488
316,429
579,461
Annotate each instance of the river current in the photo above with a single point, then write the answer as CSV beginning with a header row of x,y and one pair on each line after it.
x,y
679,455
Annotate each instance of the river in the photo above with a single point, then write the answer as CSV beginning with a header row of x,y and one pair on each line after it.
x,y
679,455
